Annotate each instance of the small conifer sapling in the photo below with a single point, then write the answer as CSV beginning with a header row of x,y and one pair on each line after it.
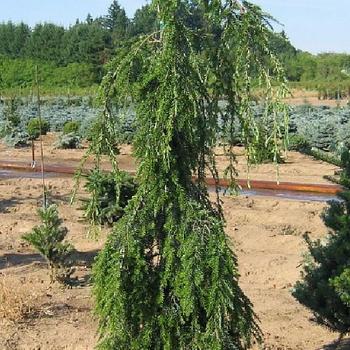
x,y
325,284
48,239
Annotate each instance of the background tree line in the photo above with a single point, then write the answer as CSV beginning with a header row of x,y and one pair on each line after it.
x,y
89,41
329,73
73,56
76,55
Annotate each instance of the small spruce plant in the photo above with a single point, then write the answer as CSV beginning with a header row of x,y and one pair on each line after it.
x,y
36,127
49,240
11,112
71,127
10,127
68,141
108,196
325,284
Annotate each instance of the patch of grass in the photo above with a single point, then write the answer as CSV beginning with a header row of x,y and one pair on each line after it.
x,y
16,300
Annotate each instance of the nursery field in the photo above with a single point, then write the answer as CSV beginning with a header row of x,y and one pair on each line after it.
x,y
297,167
179,180
267,234
267,231
323,127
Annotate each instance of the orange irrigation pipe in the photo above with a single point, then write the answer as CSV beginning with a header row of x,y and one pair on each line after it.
x,y
284,186
254,184
24,166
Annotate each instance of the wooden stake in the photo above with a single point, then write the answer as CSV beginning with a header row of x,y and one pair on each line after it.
x,y
33,154
41,137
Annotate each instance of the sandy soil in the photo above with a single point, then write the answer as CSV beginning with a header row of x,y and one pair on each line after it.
x,y
302,97
314,101
55,156
267,234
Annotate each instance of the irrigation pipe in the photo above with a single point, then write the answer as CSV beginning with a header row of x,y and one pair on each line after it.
x,y
254,184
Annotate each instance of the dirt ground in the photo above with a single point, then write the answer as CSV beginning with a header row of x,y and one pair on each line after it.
x,y
302,97
296,168
267,234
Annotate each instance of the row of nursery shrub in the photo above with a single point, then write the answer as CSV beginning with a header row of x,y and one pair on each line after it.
x,y
323,128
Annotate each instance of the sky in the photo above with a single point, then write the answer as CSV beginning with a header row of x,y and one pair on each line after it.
x,y
312,25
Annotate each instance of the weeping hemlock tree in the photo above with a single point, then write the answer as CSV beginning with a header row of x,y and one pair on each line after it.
x,y
167,277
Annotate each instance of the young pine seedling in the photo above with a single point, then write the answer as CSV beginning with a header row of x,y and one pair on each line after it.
x,y
48,239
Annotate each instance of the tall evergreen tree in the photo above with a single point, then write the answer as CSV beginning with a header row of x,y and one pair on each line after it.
x,y
46,43
87,43
89,19
144,21
168,277
13,38
117,22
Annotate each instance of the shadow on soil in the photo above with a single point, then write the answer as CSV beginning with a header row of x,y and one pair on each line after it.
x,y
342,345
14,259
85,258
6,204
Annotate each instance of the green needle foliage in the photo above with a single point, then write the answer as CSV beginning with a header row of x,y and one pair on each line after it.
x,y
168,277
10,129
11,111
71,127
48,239
325,287
36,127
68,141
102,207
342,286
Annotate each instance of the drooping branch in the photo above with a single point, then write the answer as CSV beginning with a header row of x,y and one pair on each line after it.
x,y
168,277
